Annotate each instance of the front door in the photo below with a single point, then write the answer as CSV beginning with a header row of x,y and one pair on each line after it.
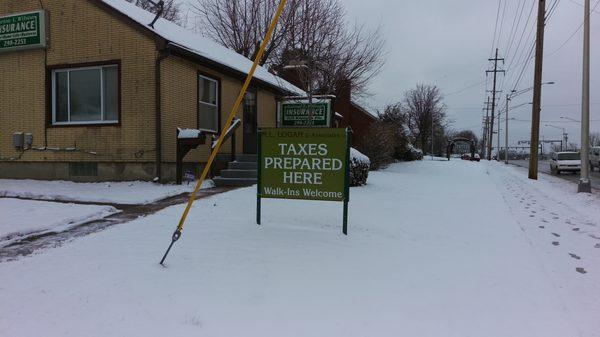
x,y
250,122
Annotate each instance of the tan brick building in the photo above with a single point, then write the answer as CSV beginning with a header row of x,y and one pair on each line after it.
x,y
104,98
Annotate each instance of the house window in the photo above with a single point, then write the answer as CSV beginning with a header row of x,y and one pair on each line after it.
x,y
87,95
208,103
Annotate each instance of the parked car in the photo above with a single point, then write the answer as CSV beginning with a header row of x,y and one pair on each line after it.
x,y
595,157
466,156
565,161
476,157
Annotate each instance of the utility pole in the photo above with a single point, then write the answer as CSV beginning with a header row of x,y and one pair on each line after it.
x,y
584,185
498,140
486,127
537,91
491,131
506,131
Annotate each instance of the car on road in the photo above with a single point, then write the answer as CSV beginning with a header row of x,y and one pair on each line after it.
x,y
565,162
595,157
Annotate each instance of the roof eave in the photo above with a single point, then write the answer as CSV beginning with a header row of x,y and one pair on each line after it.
x,y
191,56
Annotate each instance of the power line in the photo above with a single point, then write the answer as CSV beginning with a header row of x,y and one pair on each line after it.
x,y
515,28
496,27
465,88
501,24
578,4
574,33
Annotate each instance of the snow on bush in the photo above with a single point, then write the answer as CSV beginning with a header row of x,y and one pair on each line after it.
x,y
412,153
359,168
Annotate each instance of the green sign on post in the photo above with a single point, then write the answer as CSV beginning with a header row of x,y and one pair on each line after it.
x,y
301,113
303,163
23,31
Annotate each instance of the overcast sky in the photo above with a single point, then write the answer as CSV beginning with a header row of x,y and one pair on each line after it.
x,y
447,43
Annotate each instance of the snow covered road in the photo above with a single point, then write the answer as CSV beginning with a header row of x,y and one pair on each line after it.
x,y
434,249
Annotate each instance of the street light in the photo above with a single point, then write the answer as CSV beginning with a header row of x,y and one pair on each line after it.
x,y
564,134
571,119
515,93
536,109
509,97
506,126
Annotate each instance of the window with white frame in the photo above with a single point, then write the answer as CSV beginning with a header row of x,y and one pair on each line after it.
x,y
208,104
88,95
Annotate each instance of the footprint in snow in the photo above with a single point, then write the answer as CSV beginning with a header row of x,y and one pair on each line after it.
x,y
544,220
575,256
542,227
576,229
594,236
555,243
597,245
580,270
557,235
555,218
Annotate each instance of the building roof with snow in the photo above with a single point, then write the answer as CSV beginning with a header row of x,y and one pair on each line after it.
x,y
203,48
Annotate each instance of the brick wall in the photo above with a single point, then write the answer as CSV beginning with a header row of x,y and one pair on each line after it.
x,y
80,32
179,107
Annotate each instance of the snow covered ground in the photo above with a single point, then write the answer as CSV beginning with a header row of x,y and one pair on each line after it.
x,y
434,249
21,218
128,192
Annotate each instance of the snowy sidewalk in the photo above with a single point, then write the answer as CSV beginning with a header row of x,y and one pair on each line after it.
x,y
434,249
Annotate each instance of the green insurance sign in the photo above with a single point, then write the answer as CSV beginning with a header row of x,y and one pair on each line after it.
x,y
301,113
23,31
303,163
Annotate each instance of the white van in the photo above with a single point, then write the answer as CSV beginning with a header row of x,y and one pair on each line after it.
x,y
565,161
594,157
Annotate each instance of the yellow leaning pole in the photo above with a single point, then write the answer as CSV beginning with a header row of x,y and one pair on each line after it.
x,y
213,154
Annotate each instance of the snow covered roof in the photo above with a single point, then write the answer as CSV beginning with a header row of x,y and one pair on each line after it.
x,y
199,45
360,107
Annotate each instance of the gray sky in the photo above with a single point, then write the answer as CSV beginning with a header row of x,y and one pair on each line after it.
x,y
447,43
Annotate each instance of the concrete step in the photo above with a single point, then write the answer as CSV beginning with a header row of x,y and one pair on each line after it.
x,y
239,173
246,158
233,182
238,165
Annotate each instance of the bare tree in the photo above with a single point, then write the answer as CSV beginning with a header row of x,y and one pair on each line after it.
x,y
393,116
426,115
241,24
171,9
312,31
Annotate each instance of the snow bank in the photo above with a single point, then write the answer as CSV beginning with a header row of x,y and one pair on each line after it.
x,y
20,218
132,192
433,250
359,168
357,156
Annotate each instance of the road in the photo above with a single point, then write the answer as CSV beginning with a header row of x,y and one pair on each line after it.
x,y
544,166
